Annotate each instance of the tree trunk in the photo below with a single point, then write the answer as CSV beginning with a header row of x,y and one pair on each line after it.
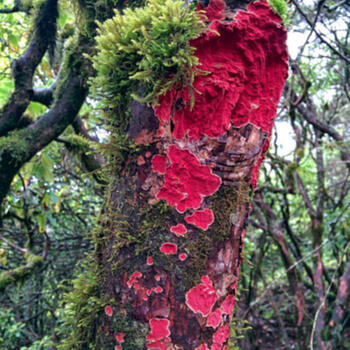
x,y
171,231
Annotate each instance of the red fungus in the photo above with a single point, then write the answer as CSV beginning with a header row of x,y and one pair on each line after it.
x,y
202,347
182,256
220,337
168,248
246,80
158,289
186,181
120,337
214,319
159,329
201,218
133,278
227,305
118,347
149,261
159,163
202,297
179,230
157,345
108,311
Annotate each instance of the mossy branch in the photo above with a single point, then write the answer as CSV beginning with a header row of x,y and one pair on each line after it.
x,y
19,274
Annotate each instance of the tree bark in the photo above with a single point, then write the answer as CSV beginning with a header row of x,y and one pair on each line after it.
x,y
171,230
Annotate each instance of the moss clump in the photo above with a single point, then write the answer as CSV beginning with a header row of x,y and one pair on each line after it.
x,y
146,51
281,7
82,308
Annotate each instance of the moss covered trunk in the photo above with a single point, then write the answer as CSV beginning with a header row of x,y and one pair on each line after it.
x,y
171,231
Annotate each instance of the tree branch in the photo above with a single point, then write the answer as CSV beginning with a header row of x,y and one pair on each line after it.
x,y
24,67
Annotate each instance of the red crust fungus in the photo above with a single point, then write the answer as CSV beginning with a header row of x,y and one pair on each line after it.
x,y
202,347
159,163
168,248
157,345
227,305
159,329
186,181
120,337
201,218
214,319
182,256
158,290
202,297
179,230
248,65
220,337
133,278
149,261
108,311
118,347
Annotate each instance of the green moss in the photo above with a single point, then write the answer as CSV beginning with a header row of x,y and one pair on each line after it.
x,y
16,145
281,7
20,273
145,52
82,308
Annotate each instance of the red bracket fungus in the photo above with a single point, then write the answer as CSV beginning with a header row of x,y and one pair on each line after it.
x,y
159,335
133,278
182,256
202,347
108,311
202,297
201,218
159,163
179,230
149,261
220,337
186,181
214,319
168,248
120,338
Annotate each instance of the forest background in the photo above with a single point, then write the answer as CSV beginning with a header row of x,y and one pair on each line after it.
x,y
295,278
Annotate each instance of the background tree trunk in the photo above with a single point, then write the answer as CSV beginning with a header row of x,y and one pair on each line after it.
x,y
171,231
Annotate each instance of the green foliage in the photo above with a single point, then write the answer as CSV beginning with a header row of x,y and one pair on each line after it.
x,y
11,331
82,307
146,51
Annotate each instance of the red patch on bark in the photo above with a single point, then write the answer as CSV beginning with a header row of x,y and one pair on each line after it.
x,y
214,319
133,278
220,337
168,248
149,261
118,347
214,10
201,218
202,297
228,304
182,256
202,347
179,230
120,337
159,163
186,181
157,345
159,329
158,289
108,311
248,65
